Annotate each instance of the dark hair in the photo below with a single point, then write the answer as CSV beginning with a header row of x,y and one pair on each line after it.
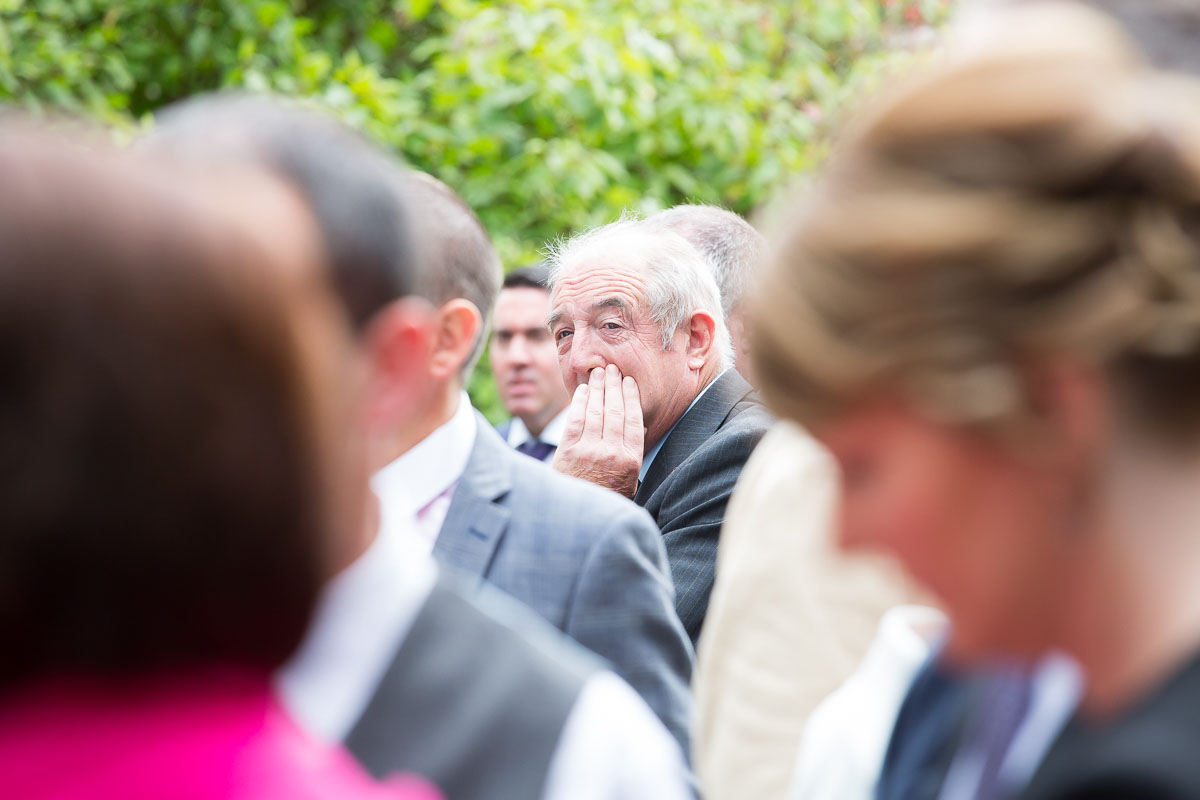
x,y
347,182
158,481
536,276
457,259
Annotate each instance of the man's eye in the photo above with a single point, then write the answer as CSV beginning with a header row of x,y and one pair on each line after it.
x,y
611,326
561,334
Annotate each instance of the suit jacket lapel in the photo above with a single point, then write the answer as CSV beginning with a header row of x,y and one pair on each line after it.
x,y
476,521
694,428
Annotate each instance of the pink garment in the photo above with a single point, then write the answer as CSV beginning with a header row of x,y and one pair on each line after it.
x,y
218,735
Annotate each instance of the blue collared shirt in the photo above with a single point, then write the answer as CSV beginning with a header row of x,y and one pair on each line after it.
x,y
648,458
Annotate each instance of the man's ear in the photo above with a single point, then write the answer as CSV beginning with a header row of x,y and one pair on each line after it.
x,y
458,323
1069,399
397,343
701,339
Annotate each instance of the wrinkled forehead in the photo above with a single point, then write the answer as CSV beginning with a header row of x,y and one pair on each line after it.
x,y
614,279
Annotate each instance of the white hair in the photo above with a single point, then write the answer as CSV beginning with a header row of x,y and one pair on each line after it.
x,y
732,247
676,280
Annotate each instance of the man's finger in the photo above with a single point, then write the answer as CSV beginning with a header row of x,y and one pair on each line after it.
x,y
593,421
635,430
614,404
575,413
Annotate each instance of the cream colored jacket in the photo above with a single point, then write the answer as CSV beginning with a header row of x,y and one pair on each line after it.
x,y
789,621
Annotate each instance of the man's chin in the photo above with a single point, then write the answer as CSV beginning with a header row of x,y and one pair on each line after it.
x,y
518,407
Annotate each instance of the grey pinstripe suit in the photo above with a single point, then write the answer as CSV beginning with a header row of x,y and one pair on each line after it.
x,y
587,560
689,483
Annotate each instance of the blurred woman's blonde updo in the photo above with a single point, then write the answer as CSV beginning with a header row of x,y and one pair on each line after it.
x,y
1024,200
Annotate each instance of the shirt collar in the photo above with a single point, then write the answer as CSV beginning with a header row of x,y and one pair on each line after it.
x,y
429,467
518,434
649,457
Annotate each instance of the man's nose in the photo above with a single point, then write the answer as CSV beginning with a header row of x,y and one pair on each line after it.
x,y
585,356
519,352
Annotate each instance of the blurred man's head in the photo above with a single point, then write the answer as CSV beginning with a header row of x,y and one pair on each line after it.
x,y
642,299
524,359
353,212
732,248
412,263
458,278
177,421
344,179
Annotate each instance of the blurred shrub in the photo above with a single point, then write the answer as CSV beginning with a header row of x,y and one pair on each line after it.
x,y
545,116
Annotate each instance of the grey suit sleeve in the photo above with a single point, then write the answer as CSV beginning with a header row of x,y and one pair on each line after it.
x,y
696,495
623,609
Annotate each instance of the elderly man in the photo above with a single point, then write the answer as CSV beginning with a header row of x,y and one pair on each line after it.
x,y
413,668
657,411
525,364
589,563
733,249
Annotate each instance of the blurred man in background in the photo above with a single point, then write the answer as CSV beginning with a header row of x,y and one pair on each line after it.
x,y
525,364
732,248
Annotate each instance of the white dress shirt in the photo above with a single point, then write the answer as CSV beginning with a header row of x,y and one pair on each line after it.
x,y
847,735
518,434
420,483
1057,686
612,746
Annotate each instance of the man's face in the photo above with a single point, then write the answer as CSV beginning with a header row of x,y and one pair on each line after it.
x,y
599,317
970,517
524,359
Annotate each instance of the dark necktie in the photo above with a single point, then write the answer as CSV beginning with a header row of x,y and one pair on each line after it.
x,y
535,448
1005,702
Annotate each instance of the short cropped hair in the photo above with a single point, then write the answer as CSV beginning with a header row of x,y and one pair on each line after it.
x,y
535,276
158,480
730,245
347,182
456,255
677,280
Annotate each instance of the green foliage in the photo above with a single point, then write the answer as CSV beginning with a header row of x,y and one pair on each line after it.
x,y
545,116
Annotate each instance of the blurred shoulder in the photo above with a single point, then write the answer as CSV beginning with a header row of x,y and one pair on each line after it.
x,y
1149,753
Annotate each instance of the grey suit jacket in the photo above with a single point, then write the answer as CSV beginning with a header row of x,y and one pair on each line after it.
x,y
475,699
587,560
689,483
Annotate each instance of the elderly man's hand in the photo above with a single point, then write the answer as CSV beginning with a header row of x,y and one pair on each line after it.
x,y
604,436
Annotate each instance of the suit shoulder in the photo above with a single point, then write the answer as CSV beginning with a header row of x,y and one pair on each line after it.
x,y
735,440
1150,753
490,614
749,417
